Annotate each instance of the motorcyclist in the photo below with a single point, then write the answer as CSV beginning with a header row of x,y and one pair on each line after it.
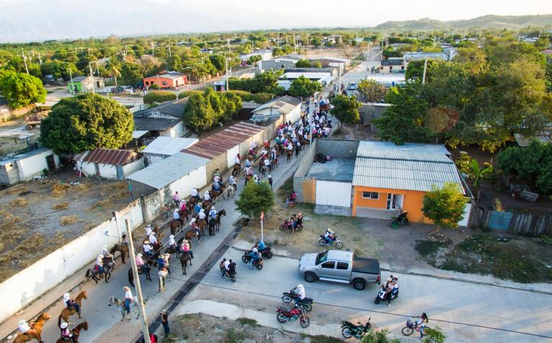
x,y
299,219
329,236
254,254
261,246
300,293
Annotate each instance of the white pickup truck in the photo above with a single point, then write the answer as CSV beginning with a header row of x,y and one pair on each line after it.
x,y
340,266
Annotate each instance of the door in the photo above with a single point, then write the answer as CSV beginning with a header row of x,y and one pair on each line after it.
x,y
342,270
51,162
97,166
326,269
394,201
333,193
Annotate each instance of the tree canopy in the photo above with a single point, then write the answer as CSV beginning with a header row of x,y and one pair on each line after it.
x,y
85,122
203,110
304,87
254,199
445,206
372,90
21,89
159,97
303,64
345,109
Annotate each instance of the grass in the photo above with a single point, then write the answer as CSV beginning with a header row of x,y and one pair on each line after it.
x,y
324,339
233,336
247,321
61,206
429,248
518,259
19,202
286,189
68,220
59,189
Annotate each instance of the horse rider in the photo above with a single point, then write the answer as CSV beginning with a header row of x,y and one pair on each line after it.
x,y
197,207
267,163
149,229
152,238
216,176
201,215
176,216
195,193
128,298
176,199
148,249
172,242
23,326
216,185
248,163
99,264
140,265
106,253
207,196
213,213
182,205
66,334
186,248
71,303
194,226
232,181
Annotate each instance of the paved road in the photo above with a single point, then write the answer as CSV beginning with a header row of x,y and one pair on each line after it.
x,y
467,312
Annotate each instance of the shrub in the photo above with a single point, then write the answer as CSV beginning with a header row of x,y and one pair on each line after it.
x,y
245,96
262,98
155,86
188,93
159,96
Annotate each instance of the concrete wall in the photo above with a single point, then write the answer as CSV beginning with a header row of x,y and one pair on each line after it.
x,y
133,167
108,171
34,165
369,112
299,178
35,280
308,190
9,174
294,115
337,148
154,158
197,178
178,131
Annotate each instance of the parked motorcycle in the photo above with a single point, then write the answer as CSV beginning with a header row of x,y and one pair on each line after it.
x,y
335,241
257,264
381,295
286,225
349,329
400,220
290,296
285,315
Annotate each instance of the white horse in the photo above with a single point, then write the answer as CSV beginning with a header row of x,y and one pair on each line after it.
x,y
121,304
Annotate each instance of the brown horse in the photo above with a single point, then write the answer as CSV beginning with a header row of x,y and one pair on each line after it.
x,y
76,332
289,155
67,312
36,330
122,249
184,259
216,193
236,170
191,234
202,223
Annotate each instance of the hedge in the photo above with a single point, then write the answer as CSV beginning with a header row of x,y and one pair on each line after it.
x,y
159,96
245,96
188,93
263,98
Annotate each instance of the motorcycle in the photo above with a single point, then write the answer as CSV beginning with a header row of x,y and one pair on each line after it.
x,y
257,264
290,296
400,220
287,225
285,315
381,295
266,252
349,329
335,240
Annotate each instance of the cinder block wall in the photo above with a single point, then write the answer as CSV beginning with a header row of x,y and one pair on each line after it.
x,y
337,148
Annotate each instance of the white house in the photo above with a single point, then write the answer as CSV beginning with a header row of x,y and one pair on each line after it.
x,y
264,54
286,106
24,167
163,147
109,163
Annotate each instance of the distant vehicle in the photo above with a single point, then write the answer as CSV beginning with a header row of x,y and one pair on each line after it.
x,y
352,86
340,266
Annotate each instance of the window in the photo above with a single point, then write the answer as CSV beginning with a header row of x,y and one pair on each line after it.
x,y
147,83
164,83
370,195
342,265
328,265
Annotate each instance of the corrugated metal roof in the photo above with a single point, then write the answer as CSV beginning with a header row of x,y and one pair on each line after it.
x,y
167,171
408,151
284,105
168,145
111,156
221,142
403,174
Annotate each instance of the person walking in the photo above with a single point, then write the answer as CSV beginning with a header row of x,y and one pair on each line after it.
x,y
165,322
162,279
270,180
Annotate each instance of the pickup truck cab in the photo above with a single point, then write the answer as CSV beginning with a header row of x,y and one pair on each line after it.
x,y
340,266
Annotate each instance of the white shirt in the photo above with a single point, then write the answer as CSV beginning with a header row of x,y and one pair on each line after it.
x,y
301,292
237,160
147,248
152,239
207,196
201,215
171,240
194,192
24,328
128,295
266,162
231,180
148,230
226,264
175,215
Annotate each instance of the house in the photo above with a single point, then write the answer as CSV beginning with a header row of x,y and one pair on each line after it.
x,y
163,147
109,163
332,62
169,79
85,84
26,166
388,178
392,65
287,107
322,75
374,179
371,111
277,64
264,54
163,120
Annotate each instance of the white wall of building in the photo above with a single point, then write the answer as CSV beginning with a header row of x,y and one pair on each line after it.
x,y
231,156
197,178
133,167
108,171
333,193
34,165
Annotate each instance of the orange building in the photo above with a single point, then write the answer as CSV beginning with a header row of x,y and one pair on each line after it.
x,y
390,178
170,79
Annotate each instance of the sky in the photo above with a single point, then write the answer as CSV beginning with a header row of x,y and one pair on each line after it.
x,y
37,20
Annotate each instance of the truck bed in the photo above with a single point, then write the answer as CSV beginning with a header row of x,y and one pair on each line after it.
x,y
366,265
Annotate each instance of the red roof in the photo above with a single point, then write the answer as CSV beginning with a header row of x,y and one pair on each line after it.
x,y
111,156
221,142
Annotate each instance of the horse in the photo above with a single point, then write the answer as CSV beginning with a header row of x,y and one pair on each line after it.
x,y
121,304
212,226
76,332
289,155
108,266
274,163
171,250
184,259
122,248
232,190
216,193
236,170
191,234
146,269
67,312
201,224
218,217
36,330
176,225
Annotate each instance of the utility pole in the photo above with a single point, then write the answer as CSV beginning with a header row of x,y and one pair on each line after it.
x,y
25,61
425,69
153,48
71,90
227,76
141,307
170,55
92,76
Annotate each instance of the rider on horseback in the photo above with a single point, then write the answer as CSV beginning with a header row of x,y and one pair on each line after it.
x,y
69,303
152,238
172,242
148,249
201,215
128,298
206,196
65,333
195,193
247,164
141,266
186,248
197,207
23,326
106,252
99,264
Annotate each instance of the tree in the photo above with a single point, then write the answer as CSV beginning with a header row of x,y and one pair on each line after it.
x,y
445,206
218,61
380,336
345,109
86,122
198,113
372,90
159,97
113,69
254,199
132,73
403,121
317,65
477,173
304,87
531,164
21,89
434,335
303,64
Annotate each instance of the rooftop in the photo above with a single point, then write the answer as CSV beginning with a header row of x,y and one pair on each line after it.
x,y
168,75
308,75
416,167
154,123
338,169
165,172
22,156
416,56
174,109
284,105
117,157
168,145
220,142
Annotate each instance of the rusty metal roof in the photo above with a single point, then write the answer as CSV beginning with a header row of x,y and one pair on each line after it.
x,y
221,142
111,156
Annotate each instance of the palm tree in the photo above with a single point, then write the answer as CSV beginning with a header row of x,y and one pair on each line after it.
x,y
113,70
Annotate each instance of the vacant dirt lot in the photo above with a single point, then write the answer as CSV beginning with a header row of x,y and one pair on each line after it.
x,y
40,216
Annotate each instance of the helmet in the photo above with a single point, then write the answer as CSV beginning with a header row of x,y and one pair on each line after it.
x,y
63,325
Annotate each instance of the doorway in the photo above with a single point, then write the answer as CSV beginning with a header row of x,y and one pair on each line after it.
x,y
51,162
395,201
